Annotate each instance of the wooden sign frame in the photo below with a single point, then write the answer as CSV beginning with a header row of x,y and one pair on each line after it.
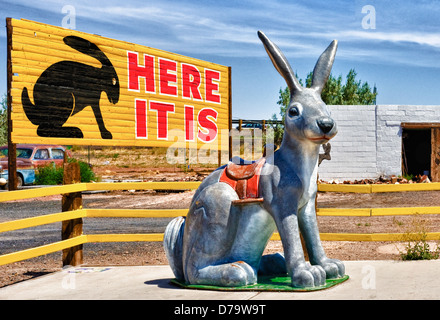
x,y
72,88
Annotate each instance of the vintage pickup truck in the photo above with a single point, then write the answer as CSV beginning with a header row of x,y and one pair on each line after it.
x,y
29,157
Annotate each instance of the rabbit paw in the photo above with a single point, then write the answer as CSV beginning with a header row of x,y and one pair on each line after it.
x,y
308,276
240,274
106,135
333,268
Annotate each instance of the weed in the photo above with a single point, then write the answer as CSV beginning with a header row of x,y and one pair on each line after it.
x,y
408,176
417,248
366,224
397,222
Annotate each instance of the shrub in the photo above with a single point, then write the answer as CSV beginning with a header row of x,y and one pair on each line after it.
x,y
51,175
86,171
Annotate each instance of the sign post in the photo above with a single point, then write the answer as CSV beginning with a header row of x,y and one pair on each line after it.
x,y
12,153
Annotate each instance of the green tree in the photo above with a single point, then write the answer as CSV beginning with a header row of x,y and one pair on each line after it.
x,y
3,121
353,92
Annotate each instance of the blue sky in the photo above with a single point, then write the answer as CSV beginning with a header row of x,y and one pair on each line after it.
x,y
401,55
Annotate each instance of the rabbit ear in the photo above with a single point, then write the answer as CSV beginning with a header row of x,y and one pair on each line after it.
x,y
324,66
88,48
280,62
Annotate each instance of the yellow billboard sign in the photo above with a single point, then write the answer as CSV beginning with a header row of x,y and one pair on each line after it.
x,y
74,88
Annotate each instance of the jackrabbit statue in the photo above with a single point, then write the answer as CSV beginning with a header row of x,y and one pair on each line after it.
x,y
222,239
67,87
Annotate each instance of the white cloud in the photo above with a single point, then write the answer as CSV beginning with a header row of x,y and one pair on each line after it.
x,y
428,39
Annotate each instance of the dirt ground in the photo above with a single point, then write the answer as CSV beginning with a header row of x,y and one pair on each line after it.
x,y
152,253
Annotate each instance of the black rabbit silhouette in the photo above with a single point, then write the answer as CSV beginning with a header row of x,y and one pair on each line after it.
x,y
67,87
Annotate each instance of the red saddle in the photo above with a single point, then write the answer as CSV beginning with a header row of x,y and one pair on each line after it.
x,y
244,179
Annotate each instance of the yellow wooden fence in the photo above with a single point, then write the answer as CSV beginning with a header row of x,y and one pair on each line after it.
x,y
162,213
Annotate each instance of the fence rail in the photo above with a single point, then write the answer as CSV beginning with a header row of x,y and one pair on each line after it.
x,y
169,213
101,186
110,186
378,188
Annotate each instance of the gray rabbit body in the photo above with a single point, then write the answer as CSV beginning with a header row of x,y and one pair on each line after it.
x,y
222,244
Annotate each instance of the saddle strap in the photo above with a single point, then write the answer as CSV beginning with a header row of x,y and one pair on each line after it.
x,y
245,188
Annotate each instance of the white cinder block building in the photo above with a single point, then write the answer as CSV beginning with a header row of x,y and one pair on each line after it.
x,y
384,140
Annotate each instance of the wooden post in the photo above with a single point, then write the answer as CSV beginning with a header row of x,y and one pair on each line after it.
x,y
12,165
230,113
435,154
12,151
219,154
72,228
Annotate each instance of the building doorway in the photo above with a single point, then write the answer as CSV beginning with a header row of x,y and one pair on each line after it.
x,y
416,152
421,150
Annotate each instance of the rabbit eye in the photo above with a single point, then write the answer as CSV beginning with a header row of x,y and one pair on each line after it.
x,y
113,81
293,112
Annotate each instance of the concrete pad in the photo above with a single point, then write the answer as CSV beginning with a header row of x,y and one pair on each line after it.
x,y
378,280
110,283
368,280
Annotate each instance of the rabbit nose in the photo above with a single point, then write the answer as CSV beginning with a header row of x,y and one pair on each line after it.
x,y
325,124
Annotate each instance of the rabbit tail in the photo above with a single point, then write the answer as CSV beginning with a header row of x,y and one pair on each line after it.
x,y
29,108
173,245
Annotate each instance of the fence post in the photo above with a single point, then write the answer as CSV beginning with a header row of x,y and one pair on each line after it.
x,y
12,150
72,228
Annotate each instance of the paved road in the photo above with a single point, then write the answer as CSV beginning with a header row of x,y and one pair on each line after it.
x,y
36,236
